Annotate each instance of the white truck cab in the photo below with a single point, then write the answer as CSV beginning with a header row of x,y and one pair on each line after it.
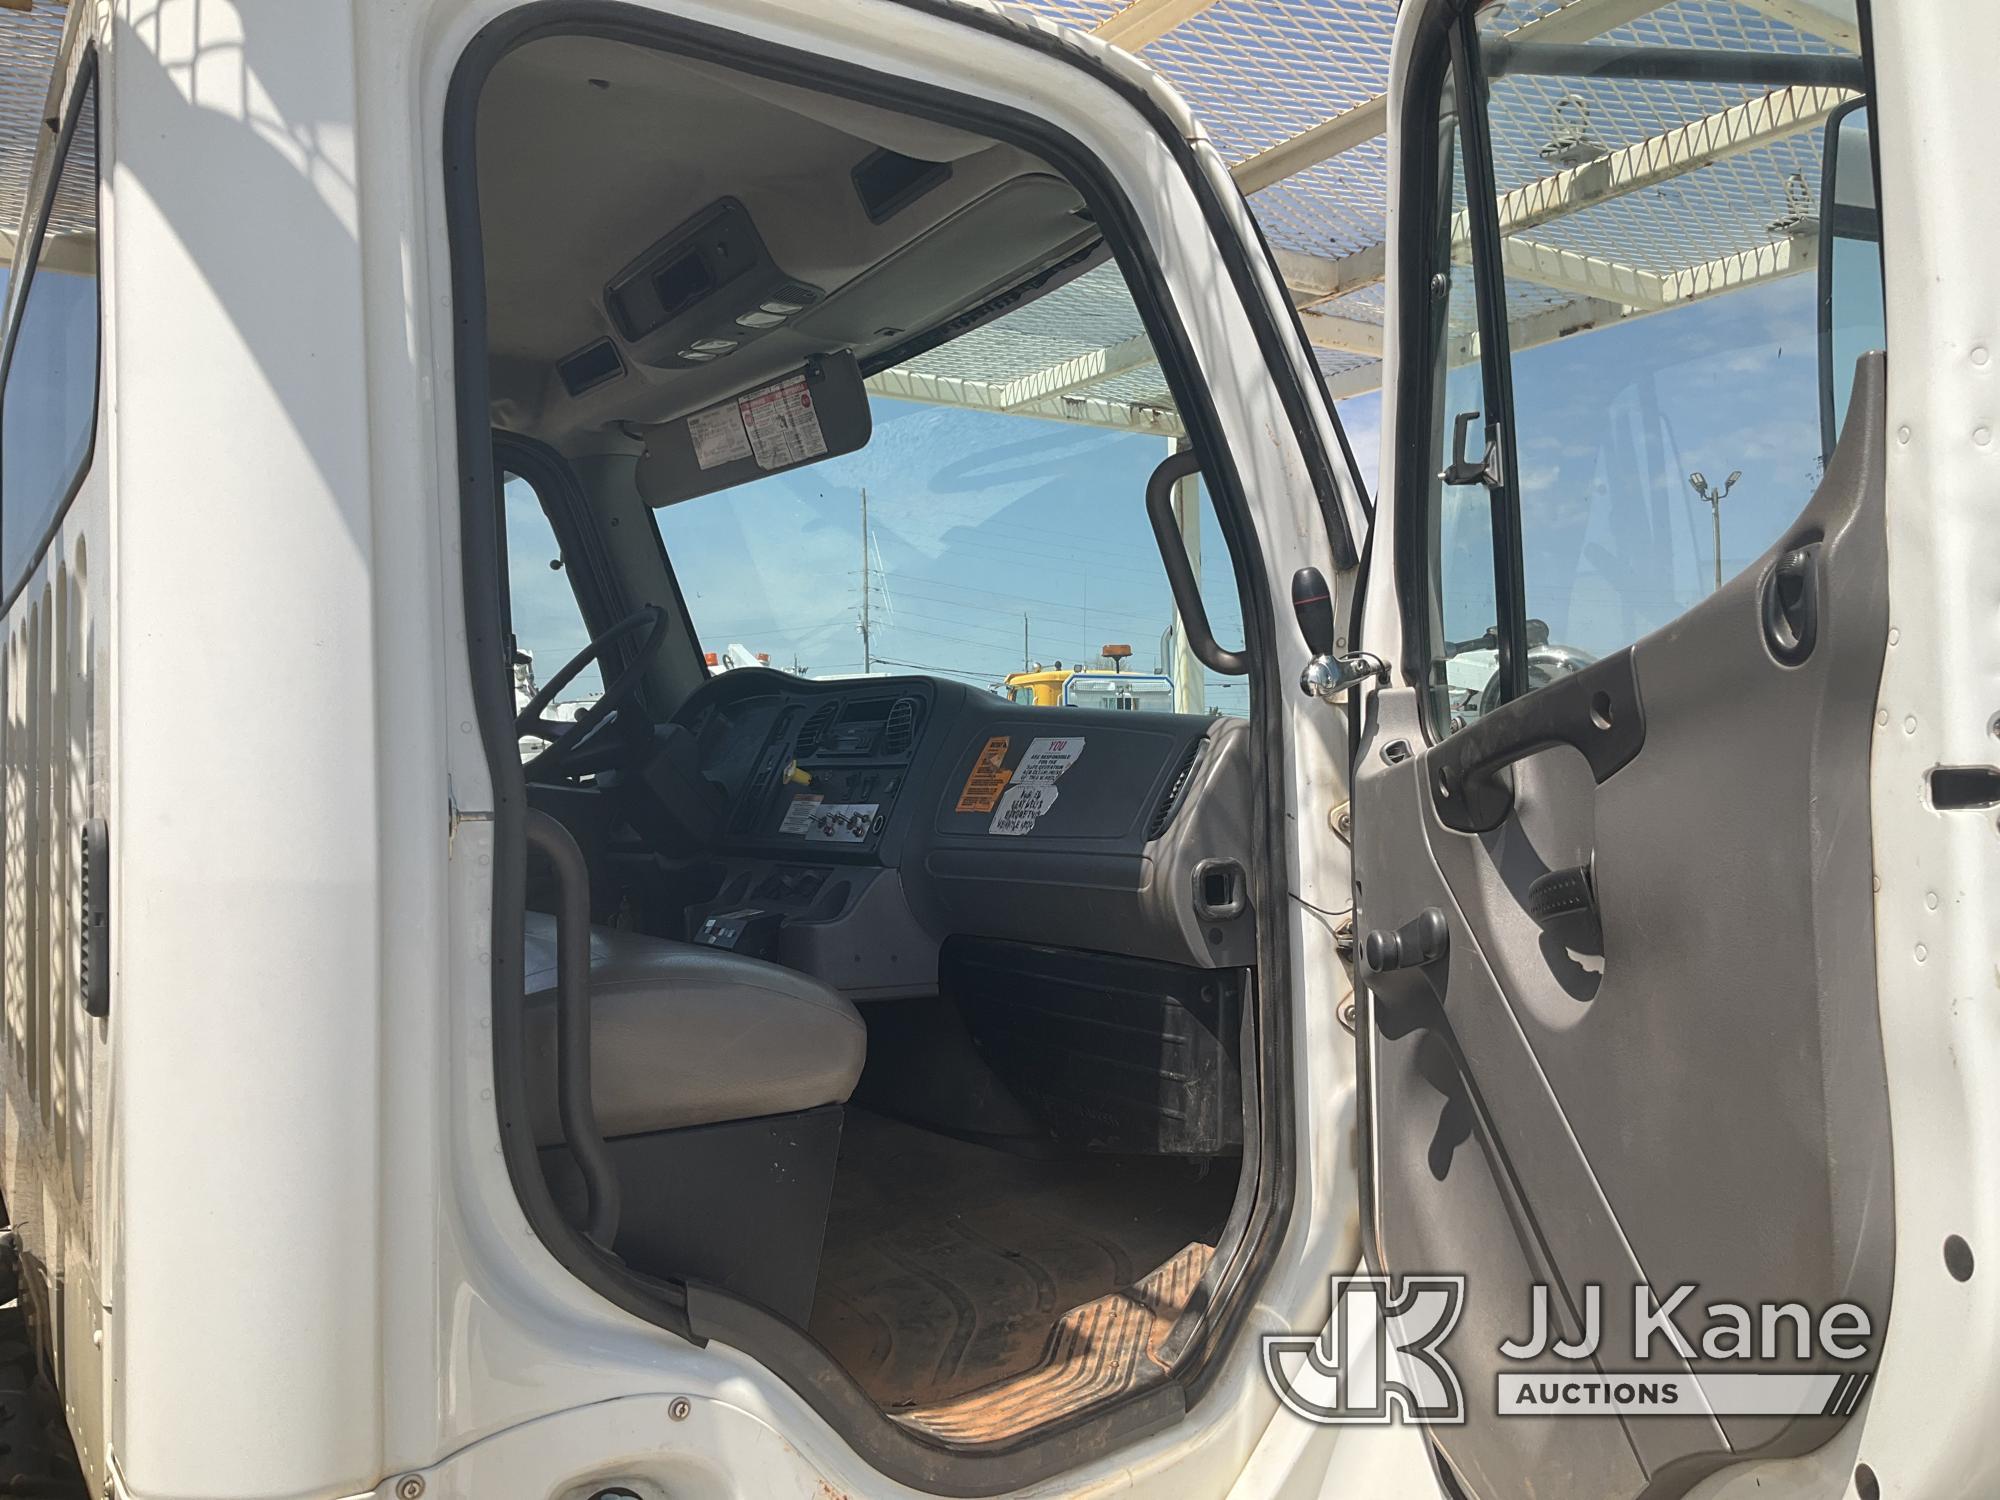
x,y
1523,1026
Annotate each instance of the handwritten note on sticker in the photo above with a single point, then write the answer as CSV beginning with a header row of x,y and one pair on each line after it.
x,y
988,778
1045,760
1021,807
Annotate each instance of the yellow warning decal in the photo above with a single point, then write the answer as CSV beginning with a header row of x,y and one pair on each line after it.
x,y
988,778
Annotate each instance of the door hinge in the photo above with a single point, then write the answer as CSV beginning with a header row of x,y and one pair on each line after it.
x,y
455,815
1331,677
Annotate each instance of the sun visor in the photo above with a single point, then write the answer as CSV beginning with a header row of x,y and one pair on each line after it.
x,y
820,411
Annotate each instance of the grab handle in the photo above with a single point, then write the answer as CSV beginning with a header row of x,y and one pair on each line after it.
x,y
1180,576
574,1105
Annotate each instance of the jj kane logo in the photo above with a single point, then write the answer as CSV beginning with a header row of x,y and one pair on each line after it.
x,y
1346,1372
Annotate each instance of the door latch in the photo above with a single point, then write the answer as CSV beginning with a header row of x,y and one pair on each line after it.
x,y
1327,677
1462,470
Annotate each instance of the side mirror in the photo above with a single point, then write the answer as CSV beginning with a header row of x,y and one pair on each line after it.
x,y
1850,264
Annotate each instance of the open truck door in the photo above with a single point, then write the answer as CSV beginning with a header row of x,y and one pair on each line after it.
x,y
1614,926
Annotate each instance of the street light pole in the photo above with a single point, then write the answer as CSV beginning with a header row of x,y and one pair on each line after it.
x,y
1715,495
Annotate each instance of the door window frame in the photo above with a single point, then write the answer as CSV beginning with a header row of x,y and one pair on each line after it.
x,y
1267,1212
1448,46
1448,57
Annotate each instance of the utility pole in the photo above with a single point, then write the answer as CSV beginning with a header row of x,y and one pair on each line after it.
x,y
1715,496
1024,641
867,587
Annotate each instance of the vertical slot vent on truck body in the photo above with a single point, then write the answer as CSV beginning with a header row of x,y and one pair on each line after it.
x,y
1170,799
816,726
901,730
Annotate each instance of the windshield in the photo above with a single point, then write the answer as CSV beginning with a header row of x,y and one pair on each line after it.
x,y
964,544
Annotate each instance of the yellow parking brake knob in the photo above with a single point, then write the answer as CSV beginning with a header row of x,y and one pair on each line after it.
x,y
797,777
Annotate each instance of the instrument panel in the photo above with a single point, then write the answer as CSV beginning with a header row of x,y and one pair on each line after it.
x,y
818,767
869,819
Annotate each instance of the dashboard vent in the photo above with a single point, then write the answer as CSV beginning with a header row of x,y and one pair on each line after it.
x,y
1170,799
901,730
816,726
764,777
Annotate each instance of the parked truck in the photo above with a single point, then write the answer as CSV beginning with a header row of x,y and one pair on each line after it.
x,y
775,1086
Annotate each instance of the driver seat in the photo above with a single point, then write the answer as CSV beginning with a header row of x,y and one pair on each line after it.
x,y
717,1082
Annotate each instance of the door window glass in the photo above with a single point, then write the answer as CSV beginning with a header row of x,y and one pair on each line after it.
x,y
1465,610
1658,223
1852,276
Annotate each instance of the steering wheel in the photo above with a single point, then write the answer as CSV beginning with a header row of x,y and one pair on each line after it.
x,y
567,739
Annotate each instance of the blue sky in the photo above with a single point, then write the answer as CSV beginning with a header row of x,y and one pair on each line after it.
x,y
978,520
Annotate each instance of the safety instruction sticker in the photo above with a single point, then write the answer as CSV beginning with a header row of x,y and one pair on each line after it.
x,y
1032,791
988,779
798,817
782,426
718,435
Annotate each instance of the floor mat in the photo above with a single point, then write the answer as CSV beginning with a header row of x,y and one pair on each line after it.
x,y
948,1265
1095,1352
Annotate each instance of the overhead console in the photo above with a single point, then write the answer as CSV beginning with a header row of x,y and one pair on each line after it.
x,y
704,291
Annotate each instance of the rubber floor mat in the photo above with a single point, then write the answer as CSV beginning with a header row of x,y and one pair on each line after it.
x,y
1099,1350
948,1265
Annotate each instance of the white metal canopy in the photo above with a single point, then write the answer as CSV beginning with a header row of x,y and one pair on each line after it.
x,y
1699,189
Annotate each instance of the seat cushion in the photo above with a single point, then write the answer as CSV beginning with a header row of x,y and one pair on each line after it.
x,y
683,1034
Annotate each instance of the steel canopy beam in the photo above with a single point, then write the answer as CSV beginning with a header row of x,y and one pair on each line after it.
x,y
1313,280
1144,21
1661,158
980,395
1728,273
1072,374
1348,335
1634,168
1813,19
1578,21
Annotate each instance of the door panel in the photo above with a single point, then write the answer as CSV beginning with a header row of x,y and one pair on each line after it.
x,y
1696,1096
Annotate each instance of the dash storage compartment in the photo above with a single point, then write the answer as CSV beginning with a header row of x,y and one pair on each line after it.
x,y
1116,1054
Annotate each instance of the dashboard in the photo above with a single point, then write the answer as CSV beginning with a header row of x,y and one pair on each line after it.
x,y
860,823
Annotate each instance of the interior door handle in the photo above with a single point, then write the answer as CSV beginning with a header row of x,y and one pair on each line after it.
x,y
1791,605
1595,710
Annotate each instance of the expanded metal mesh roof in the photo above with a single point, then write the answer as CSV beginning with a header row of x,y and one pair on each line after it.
x,y
1664,187
28,43
1631,194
